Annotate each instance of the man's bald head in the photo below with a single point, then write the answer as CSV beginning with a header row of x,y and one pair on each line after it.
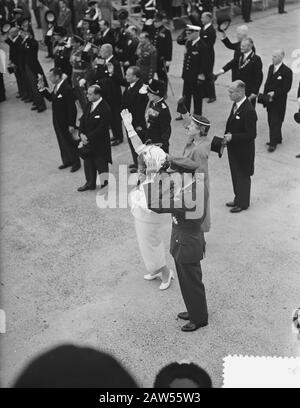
x,y
242,32
237,91
13,32
106,51
277,56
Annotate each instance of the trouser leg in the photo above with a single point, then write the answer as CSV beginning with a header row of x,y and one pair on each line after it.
x,y
102,168
193,291
116,125
275,124
188,95
90,172
197,96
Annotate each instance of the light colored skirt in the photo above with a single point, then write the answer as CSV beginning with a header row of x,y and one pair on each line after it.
x,y
150,243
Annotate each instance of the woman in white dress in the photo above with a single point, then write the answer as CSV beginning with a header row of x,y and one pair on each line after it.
x,y
148,224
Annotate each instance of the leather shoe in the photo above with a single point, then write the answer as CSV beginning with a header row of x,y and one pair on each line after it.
x,y
116,142
184,315
271,149
132,166
28,100
211,100
133,170
230,204
75,167
64,166
189,327
104,184
86,187
40,110
237,209
33,108
298,156
179,118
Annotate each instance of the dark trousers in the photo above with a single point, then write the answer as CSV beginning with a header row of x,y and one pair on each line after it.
x,y
67,146
246,10
241,182
26,88
275,124
49,44
37,16
133,153
19,82
2,89
193,291
193,89
91,166
38,99
116,124
210,87
281,4
161,73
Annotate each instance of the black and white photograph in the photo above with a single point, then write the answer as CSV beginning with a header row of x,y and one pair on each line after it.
x,y
149,196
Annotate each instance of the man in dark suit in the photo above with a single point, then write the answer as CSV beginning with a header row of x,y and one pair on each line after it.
x,y
14,41
94,132
135,99
107,73
246,10
246,67
161,38
105,35
277,86
208,35
193,69
33,70
64,117
240,135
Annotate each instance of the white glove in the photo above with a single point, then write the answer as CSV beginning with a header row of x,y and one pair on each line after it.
x,y
87,47
127,118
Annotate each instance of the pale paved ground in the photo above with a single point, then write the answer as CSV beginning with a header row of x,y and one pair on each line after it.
x,y
72,272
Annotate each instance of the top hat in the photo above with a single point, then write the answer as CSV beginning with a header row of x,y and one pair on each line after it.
x,y
156,87
61,31
264,99
223,22
92,2
297,117
123,14
218,145
50,16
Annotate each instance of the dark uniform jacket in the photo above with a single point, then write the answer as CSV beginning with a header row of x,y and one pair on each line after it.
x,y
64,110
136,103
242,126
62,55
187,244
209,38
249,71
159,121
110,85
95,125
31,48
193,63
280,83
162,40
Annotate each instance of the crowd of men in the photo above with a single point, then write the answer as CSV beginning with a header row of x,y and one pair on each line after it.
x,y
116,65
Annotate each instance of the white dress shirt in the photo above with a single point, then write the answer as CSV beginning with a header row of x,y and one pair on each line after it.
x,y
95,104
276,67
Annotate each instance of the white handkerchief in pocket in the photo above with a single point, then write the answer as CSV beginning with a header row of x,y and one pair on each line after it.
x,y
59,96
97,117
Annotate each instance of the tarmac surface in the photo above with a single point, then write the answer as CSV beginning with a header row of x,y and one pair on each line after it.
x,y
71,272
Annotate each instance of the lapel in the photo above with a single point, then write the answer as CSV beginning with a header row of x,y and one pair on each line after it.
x,y
95,111
239,110
60,89
278,72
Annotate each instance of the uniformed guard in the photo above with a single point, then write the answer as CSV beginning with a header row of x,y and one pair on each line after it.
x,y
158,115
162,40
62,51
80,60
192,73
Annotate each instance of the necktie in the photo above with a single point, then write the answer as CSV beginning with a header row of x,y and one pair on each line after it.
x,y
234,109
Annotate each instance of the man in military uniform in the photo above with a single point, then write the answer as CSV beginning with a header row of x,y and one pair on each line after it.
x,y
162,40
62,51
81,61
193,69
158,115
